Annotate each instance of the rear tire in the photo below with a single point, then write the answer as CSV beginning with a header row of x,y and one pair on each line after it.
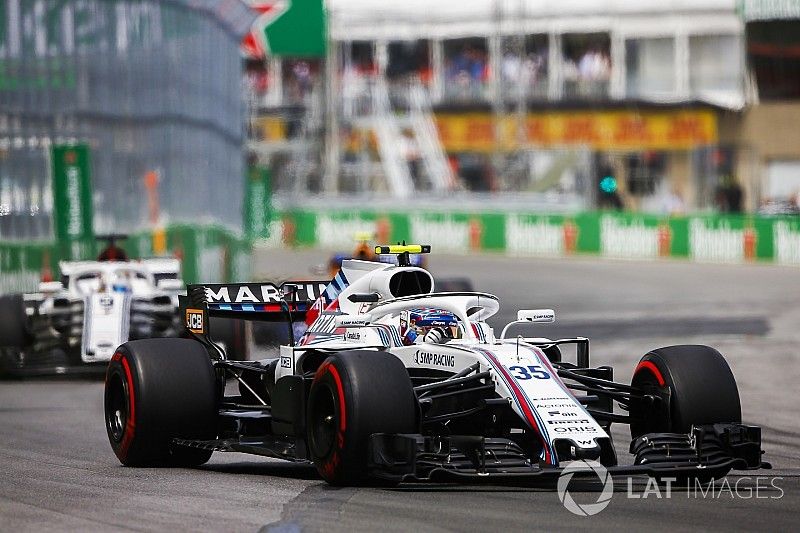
x,y
701,387
13,320
354,395
157,390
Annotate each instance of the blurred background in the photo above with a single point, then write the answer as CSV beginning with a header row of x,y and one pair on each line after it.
x,y
654,143
206,129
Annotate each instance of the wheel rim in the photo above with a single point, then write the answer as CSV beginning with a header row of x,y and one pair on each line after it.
x,y
324,421
116,407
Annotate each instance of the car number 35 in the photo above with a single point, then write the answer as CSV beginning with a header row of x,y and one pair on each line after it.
x,y
527,372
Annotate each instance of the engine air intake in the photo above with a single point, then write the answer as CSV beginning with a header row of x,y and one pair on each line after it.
x,y
409,283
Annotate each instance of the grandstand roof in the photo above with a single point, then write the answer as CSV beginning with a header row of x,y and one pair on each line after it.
x,y
409,19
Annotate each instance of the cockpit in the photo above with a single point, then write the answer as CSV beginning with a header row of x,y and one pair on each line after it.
x,y
437,318
123,279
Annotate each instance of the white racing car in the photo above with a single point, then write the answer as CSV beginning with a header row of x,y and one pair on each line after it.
x,y
393,381
81,319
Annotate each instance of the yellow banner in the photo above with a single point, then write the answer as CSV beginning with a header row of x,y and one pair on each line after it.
x,y
270,128
600,130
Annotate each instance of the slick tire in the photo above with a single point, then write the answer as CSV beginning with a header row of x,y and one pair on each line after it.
x,y
354,395
157,390
701,387
13,330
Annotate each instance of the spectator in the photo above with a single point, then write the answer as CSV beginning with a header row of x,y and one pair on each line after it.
x,y
410,151
673,203
467,71
511,68
728,196
302,77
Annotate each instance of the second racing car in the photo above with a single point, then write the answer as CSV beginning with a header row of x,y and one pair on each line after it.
x,y
77,323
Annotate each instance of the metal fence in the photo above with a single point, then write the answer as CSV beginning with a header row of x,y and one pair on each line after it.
x,y
152,86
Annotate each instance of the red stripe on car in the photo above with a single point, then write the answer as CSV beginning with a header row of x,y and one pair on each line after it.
x,y
522,402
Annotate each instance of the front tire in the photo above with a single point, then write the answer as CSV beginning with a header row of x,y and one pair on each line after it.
x,y
13,322
157,390
354,395
698,382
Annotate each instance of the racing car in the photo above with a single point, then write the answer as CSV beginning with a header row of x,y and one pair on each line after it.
x,y
77,322
393,382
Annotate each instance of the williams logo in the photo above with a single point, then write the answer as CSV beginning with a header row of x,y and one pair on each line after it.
x,y
438,359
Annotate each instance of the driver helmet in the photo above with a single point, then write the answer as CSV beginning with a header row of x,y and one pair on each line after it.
x,y
428,325
122,281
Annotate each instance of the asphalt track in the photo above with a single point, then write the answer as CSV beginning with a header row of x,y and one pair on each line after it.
x,y
57,471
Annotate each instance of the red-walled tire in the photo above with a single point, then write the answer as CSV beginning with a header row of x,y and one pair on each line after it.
x,y
157,390
701,387
354,395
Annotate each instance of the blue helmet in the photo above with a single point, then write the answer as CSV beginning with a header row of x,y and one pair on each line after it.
x,y
428,317
418,322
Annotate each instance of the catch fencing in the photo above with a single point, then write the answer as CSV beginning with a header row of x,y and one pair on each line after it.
x,y
150,89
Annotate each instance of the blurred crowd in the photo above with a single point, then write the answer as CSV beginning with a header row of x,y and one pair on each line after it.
x,y
524,72
593,65
467,72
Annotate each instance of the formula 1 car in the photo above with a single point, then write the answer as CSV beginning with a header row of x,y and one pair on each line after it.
x,y
393,382
76,323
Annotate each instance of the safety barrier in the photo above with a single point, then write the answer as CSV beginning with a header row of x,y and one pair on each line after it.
x,y
703,238
208,254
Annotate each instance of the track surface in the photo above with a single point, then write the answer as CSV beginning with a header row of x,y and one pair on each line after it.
x,y
57,471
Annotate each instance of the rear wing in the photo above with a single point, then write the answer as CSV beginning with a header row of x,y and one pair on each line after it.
x,y
287,303
254,301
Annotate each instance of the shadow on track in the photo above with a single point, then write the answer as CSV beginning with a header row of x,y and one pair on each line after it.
x,y
271,468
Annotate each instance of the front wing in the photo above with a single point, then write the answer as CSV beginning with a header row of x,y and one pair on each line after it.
x,y
707,452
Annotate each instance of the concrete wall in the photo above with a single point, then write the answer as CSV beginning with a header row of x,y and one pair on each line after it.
x,y
762,133
772,129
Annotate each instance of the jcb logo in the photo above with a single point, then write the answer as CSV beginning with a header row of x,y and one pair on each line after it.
x,y
194,321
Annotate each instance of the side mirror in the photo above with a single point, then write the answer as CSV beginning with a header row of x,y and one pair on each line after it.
x,y
368,298
536,315
50,287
